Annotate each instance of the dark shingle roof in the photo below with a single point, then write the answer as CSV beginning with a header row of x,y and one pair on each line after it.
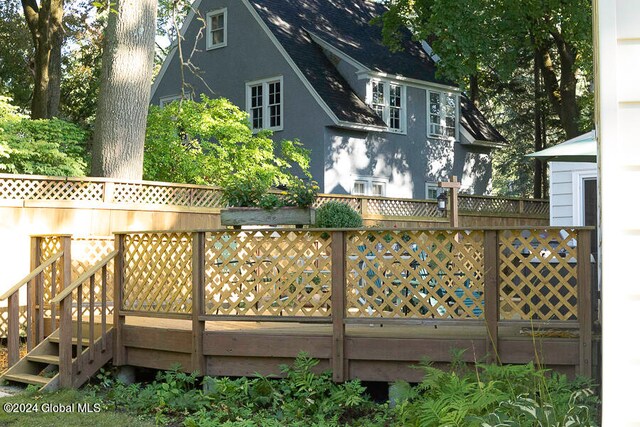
x,y
477,125
346,25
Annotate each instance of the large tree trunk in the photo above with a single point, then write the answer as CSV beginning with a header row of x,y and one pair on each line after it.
x,y
45,25
562,94
125,88
537,167
55,75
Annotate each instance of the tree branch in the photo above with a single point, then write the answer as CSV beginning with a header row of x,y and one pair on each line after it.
x,y
31,14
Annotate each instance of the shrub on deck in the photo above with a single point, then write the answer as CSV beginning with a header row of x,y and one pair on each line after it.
x,y
337,215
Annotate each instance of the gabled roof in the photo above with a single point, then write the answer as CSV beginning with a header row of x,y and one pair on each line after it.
x,y
346,26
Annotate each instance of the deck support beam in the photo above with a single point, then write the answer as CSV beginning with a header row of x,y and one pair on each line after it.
x,y
491,293
119,354
584,280
198,362
339,363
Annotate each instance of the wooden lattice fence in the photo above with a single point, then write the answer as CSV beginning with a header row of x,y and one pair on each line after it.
x,y
96,190
278,274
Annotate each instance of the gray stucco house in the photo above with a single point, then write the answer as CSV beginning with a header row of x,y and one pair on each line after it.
x,y
377,122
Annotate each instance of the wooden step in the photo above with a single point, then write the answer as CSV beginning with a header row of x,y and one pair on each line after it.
x,y
74,340
48,359
27,379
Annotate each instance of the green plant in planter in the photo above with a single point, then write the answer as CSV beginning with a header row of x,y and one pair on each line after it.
x,y
270,201
246,191
300,193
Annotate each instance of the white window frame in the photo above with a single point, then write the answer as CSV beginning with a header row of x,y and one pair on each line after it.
x,y
265,103
443,117
209,38
170,98
386,104
369,182
577,180
429,185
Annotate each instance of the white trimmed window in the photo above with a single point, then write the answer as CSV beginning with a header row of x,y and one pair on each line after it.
x,y
369,186
388,100
264,104
171,98
216,29
431,190
443,114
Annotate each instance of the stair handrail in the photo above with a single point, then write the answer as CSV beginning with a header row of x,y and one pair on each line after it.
x,y
32,275
13,307
83,278
69,370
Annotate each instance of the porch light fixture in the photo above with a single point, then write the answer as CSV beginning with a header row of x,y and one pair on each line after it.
x,y
442,201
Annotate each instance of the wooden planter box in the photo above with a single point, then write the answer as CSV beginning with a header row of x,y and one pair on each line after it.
x,y
257,216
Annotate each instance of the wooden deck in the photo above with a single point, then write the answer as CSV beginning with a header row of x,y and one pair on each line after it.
x,y
368,303
372,352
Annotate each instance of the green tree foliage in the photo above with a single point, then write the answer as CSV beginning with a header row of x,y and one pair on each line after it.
x,y
16,79
210,142
489,47
41,147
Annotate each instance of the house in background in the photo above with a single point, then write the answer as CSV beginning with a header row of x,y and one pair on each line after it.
x,y
377,122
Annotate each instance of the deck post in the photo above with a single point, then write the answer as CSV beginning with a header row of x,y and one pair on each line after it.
x,y
65,272
32,287
197,302
119,356
491,293
584,301
339,363
65,346
13,330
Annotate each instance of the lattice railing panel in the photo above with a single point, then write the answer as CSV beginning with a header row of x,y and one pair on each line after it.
x,y
49,189
4,321
49,246
87,252
415,274
538,274
268,273
355,203
535,207
157,274
401,208
488,204
167,195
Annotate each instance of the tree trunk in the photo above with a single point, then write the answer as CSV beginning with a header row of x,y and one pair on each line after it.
x,y
55,75
45,25
125,89
537,168
562,95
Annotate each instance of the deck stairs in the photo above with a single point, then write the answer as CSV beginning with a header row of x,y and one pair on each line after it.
x,y
39,367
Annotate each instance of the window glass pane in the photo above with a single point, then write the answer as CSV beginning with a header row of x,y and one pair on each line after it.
x,y
395,96
377,189
378,93
275,112
216,28
394,119
359,187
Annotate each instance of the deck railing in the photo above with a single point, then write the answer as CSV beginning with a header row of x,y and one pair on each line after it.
x,y
50,271
493,277
149,193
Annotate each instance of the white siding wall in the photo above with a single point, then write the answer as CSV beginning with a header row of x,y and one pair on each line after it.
x,y
565,193
618,126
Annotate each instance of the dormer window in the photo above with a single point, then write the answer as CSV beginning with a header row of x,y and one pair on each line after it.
x,y
443,115
216,29
388,101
